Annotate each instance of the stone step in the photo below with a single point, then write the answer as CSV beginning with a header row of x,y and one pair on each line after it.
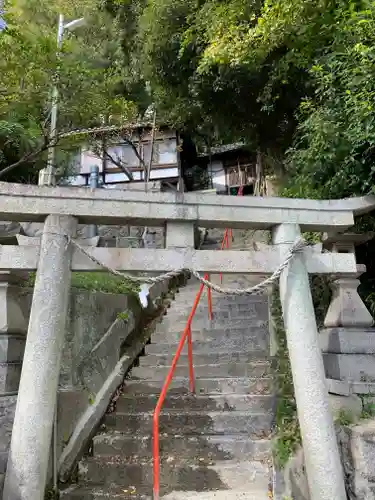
x,y
260,343
193,423
247,307
90,492
215,326
198,323
201,449
223,309
174,322
217,306
251,369
212,246
238,385
214,402
202,359
100,493
185,296
216,442
225,300
206,335
203,318
175,475
218,316
255,493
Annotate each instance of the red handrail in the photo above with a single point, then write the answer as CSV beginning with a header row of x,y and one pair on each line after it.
x,y
228,234
225,240
186,335
223,244
209,300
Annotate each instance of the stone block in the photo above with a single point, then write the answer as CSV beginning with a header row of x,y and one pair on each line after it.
x,y
98,365
351,405
10,374
32,228
345,242
92,376
151,187
180,235
130,236
363,448
12,347
339,387
7,410
347,340
35,241
13,315
90,316
357,447
350,367
295,478
71,404
8,232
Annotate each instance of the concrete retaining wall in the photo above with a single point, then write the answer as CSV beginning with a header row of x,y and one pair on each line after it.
x,y
7,410
100,346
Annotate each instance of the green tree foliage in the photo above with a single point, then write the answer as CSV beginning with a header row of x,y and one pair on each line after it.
x,y
256,70
196,82
85,71
281,75
333,155
331,43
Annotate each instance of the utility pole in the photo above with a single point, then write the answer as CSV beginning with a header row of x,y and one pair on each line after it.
x,y
47,176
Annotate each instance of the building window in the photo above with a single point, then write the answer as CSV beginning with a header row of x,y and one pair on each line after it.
x,y
123,154
164,152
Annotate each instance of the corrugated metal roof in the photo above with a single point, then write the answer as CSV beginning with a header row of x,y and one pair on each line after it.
x,y
226,148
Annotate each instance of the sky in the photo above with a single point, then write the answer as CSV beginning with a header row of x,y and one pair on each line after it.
x,y
2,23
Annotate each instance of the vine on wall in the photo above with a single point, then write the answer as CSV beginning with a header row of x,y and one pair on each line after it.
x,y
287,435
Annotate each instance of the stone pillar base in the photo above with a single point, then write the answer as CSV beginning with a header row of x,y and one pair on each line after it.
x,y
13,328
14,313
348,353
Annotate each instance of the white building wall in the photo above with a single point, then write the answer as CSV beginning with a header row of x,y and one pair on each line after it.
x,y
165,153
217,173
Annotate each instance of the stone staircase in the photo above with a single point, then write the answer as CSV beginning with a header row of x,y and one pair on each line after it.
x,y
214,445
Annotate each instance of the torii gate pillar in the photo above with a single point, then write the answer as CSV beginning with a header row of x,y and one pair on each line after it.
x,y
322,458
32,429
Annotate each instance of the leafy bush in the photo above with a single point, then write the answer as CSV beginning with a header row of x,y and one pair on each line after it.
x,y
97,281
287,435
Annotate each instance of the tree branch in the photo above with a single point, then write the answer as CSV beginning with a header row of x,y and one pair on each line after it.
x,y
28,157
136,152
102,153
119,164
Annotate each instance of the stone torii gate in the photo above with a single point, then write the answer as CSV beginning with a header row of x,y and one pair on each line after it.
x,y
62,209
